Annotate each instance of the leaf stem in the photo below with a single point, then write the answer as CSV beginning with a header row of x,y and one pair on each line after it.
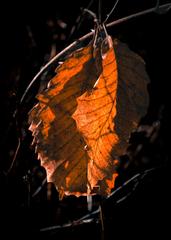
x,y
88,35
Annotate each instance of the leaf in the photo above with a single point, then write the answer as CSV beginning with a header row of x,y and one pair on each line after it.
x,y
94,117
83,119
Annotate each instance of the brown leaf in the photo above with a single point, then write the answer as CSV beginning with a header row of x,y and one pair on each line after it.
x,y
83,119
94,117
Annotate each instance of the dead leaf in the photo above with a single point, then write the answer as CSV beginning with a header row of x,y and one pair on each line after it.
x,y
83,119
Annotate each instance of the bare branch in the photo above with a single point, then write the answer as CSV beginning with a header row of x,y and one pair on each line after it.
x,y
96,216
14,158
110,13
72,45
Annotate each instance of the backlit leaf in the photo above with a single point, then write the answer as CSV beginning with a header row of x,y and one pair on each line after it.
x,y
84,118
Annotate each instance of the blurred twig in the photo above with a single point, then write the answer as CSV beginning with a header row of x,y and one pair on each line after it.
x,y
14,158
95,216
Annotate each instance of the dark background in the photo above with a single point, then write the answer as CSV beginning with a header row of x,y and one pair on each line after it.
x,y
29,36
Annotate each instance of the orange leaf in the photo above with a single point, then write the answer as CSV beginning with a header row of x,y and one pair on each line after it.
x,y
94,117
83,119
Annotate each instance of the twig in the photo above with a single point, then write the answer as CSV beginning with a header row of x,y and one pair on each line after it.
x,y
88,218
14,158
100,11
79,20
74,223
72,45
39,188
101,218
139,14
91,14
109,14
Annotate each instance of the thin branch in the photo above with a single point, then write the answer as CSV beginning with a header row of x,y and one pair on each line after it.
x,y
139,14
14,158
110,13
88,218
101,217
36,192
157,4
79,20
100,11
67,225
91,14
72,45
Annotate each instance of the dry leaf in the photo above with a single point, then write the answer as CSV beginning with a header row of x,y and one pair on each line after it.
x,y
83,119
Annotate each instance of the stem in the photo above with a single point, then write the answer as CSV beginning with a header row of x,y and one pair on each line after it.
x,y
90,217
88,35
100,11
101,218
109,14
14,157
